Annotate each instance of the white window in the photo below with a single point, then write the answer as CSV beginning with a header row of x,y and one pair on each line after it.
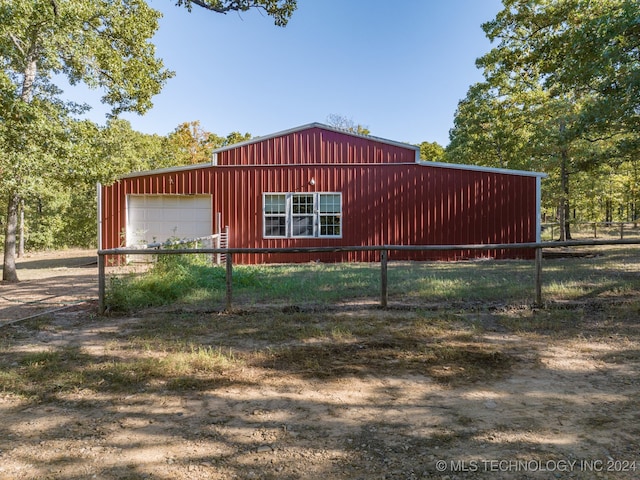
x,y
330,215
275,210
302,215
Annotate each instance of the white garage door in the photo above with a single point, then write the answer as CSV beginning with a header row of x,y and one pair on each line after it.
x,y
158,218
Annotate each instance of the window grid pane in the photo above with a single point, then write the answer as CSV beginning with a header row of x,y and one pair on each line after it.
x,y
302,226
275,220
302,204
275,227
329,203
274,204
302,215
329,225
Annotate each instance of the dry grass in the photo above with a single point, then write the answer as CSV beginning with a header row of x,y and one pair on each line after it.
x,y
188,346
200,350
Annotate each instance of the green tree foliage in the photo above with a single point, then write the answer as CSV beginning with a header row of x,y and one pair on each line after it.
x,y
489,130
104,44
57,215
189,144
345,123
234,137
580,48
117,149
431,151
279,10
561,93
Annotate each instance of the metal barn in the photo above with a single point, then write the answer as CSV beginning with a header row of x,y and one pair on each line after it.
x,y
319,186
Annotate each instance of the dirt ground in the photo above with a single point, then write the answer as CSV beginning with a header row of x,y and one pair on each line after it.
x,y
567,406
49,281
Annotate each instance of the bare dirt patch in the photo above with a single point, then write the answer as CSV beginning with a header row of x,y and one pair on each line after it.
x,y
48,281
355,393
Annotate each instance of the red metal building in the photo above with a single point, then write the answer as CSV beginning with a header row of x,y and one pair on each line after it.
x,y
319,186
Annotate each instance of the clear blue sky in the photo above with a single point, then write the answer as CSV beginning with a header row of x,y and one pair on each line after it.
x,y
398,67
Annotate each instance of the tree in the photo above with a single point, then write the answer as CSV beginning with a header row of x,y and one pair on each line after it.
x,y
104,44
190,144
234,137
590,49
563,78
489,130
431,151
280,10
344,123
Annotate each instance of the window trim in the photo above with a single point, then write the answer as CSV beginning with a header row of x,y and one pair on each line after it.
x,y
313,215
273,215
289,215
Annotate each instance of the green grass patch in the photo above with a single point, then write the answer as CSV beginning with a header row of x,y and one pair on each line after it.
x,y
192,280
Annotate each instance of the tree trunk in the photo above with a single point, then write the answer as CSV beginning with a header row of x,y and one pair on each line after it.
x,y
565,211
21,243
9,272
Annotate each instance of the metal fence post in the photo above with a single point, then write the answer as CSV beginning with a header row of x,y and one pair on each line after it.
x,y
384,294
218,235
229,260
216,244
538,301
101,284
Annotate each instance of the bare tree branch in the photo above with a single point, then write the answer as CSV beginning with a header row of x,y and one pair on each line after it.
x,y
280,10
18,43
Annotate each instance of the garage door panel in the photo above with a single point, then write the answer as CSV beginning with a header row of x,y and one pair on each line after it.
x,y
156,215
158,218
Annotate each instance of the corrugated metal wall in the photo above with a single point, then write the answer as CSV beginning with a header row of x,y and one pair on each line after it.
x,y
385,200
316,146
383,204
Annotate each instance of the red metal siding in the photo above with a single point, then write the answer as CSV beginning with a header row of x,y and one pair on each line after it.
x,y
382,204
316,146
387,198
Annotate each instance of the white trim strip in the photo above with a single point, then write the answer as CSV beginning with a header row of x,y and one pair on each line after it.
x,y
422,163
538,209
478,168
99,188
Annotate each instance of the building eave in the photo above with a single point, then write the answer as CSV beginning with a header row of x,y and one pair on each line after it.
x,y
478,168
161,171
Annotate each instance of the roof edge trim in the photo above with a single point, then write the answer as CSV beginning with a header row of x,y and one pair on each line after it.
x,y
479,168
323,127
160,171
422,163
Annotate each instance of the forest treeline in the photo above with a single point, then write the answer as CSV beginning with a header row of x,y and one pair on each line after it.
x,y
560,95
62,212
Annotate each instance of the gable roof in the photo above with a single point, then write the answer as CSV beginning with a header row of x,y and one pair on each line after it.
x,y
322,126
414,148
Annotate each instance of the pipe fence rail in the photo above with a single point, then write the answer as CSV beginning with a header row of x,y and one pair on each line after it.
x,y
383,249
595,228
